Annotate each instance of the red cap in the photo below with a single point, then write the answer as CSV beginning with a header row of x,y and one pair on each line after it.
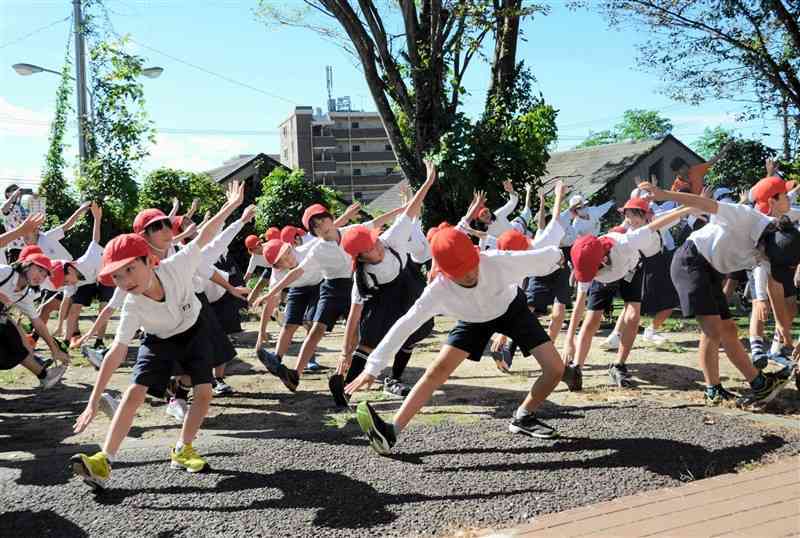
x,y
642,204
274,249
512,240
57,273
29,250
766,189
146,217
119,252
432,231
39,260
311,212
273,233
587,253
177,224
290,233
454,253
359,239
251,242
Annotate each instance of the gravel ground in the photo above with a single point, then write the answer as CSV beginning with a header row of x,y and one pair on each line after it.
x,y
307,480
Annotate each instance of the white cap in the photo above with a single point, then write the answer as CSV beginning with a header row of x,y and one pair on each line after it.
x,y
641,193
720,193
576,200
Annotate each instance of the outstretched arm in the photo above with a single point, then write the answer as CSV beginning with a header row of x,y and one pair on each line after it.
x,y
28,226
706,205
70,222
97,216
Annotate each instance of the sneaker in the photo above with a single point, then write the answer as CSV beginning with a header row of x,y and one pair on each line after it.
x,y
95,356
93,470
758,355
336,386
774,384
99,343
269,359
381,435
783,357
393,387
177,408
652,336
108,405
290,378
717,394
220,388
611,343
618,373
53,376
530,425
312,367
187,459
573,378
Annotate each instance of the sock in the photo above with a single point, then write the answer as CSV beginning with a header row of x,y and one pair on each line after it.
x,y
521,413
179,446
181,392
758,382
400,362
356,366
42,374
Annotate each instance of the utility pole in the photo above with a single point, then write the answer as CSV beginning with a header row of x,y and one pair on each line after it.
x,y
80,81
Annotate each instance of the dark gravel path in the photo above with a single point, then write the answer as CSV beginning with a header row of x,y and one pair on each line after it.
x,y
327,483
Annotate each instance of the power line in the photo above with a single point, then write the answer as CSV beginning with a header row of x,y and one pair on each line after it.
x,y
34,32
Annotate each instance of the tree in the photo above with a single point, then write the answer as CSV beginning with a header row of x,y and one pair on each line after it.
x,y
742,166
636,124
414,65
285,195
724,49
162,185
712,141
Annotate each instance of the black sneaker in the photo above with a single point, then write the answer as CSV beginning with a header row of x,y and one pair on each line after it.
x,y
717,394
99,343
393,387
336,386
619,376
290,378
269,359
573,378
381,435
765,394
530,425
220,388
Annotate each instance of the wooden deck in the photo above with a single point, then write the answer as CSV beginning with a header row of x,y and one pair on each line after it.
x,y
761,503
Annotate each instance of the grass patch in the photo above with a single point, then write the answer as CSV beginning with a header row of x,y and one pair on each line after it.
x,y
337,420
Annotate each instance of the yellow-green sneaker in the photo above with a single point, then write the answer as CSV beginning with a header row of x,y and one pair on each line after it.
x,y
93,470
187,459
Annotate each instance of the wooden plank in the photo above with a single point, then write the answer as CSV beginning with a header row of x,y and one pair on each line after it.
x,y
785,526
774,520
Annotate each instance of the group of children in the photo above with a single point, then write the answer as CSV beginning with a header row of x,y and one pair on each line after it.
x,y
388,280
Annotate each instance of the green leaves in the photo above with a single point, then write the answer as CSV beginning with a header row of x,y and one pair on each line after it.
x,y
285,195
162,185
636,124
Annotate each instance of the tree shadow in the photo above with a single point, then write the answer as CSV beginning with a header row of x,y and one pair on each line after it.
x,y
40,523
668,376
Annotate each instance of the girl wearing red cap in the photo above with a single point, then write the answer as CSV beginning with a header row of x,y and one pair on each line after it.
x,y
604,267
737,237
162,301
384,289
329,258
481,289
18,283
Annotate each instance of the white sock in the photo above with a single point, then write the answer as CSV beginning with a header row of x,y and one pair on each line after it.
x,y
521,413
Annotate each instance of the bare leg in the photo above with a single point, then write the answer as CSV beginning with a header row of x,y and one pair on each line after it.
x,y
552,370
556,320
201,400
588,329
32,364
285,339
63,312
735,350
434,377
660,318
123,418
629,328
72,320
103,325
310,345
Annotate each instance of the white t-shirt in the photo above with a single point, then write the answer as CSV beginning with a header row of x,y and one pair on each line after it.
x,y
591,225
256,260
50,243
329,258
728,242
501,222
310,277
499,275
180,308
88,265
419,248
23,299
397,238
625,254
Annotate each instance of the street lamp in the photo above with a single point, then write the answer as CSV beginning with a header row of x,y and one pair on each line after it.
x,y
27,70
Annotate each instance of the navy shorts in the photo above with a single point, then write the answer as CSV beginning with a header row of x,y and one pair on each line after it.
x,y
159,359
543,291
601,296
334,301
301,305
518,323
699,285
89,292
14,350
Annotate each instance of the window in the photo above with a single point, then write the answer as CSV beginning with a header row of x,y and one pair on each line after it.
x,y
655,172
356,148
389,170
356,171
354,125
387,147
317,130
284,131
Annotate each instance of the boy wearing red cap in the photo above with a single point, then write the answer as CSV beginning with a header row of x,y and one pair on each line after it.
x,y
327,257
737,237
604,267
17,283
385,287
481,289
162,301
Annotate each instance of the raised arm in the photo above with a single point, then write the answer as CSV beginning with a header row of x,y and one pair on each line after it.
x,y
348,215
235,196
11,201
193,209
413,208
513,199
27,227
70,222
176,204
386,218
706,205
97,221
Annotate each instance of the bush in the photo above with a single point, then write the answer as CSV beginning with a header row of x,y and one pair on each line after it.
x,y
285,195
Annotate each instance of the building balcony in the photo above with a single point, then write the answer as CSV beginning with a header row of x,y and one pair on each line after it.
x,y
378,180
324,166
324,142
364,156
368,132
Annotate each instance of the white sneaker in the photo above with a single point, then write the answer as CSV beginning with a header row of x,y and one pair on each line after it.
x,y
775,348
93,355
177,409
652,336
611,343
108,405
54,375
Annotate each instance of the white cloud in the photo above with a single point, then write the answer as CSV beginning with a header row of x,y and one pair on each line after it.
x,y
23,122
701,121
196,152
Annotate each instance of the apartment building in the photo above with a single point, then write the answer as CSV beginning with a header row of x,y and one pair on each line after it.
x,y
349,151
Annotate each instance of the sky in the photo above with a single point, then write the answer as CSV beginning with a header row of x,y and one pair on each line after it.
x,y
230,79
